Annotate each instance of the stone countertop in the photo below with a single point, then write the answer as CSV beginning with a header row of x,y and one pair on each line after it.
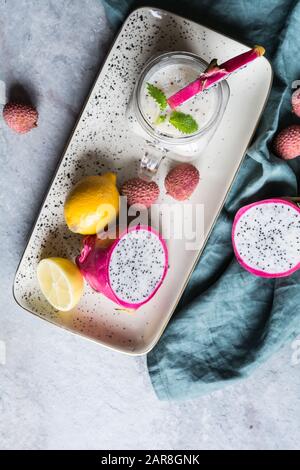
x,y
59,391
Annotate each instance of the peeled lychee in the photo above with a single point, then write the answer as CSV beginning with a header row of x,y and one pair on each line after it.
x,y
181,181
296,102
140,192
21,118
287,143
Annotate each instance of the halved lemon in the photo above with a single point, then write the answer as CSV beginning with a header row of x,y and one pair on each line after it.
x,y
61,282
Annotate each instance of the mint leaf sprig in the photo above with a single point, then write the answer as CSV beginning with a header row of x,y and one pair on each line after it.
x,y
160,119
185,123
158,96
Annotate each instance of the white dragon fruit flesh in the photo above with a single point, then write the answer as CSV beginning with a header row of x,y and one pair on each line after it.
x,y
266,237
128,270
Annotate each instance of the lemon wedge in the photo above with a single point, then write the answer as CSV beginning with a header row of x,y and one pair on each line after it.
x,y
61,282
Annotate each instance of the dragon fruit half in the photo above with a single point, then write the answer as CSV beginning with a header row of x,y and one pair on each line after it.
x,y
266,237
128,270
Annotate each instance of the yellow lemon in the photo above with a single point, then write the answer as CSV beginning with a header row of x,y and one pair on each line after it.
x,y
61,282
92,204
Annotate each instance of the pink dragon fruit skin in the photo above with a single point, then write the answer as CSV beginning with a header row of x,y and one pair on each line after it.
x,y
292,209
94,263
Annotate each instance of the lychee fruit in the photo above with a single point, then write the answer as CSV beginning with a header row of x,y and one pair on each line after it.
x,y
296,102
140,192
21,118
287,143
181,181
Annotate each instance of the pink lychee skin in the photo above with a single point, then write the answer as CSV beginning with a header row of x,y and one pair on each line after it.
x,y
182,181
296,102
93,255
140,192
287,143
21,118
258,272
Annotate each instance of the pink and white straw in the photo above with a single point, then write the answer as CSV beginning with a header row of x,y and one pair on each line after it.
x,y
213,74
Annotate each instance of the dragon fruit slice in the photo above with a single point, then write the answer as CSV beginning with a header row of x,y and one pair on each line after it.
x,y
128,270
266,237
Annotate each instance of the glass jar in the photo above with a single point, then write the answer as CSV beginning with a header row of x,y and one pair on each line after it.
x,y
170,72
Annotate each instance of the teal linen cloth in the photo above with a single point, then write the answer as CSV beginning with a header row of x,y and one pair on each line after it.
x,y
228,321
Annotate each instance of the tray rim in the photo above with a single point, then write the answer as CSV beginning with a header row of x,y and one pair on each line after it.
x,y
159,334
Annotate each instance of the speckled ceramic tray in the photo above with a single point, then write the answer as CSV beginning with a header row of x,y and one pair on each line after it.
x,y
101,142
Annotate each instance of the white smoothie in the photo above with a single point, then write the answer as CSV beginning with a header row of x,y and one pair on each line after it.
x,y
143,112
170,79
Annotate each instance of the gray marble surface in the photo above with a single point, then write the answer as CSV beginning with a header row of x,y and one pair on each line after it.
x,y
58,391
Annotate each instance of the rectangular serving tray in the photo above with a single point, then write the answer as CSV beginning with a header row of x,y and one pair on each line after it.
x,y
102,142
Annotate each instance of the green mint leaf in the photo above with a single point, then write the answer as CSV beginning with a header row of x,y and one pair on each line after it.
x,y
157,95
185,123
161,118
